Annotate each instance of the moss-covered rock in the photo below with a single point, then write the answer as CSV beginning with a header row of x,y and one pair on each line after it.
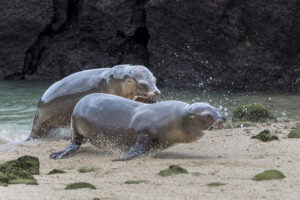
x,y
19,171
294,133
56,171
269,175
79,185
265,136
173,170
135,181
87,169
252,112
215,184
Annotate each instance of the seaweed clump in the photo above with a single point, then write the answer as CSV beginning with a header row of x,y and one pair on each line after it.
x,y
20,171
56,171
173,170
252,112
294,133
87,169
265,136
269,175
135,181
80,185
215,184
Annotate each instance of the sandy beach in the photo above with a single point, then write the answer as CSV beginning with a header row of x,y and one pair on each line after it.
x,y
228,156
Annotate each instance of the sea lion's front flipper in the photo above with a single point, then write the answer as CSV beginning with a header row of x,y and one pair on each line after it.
x,y
141,148
74,146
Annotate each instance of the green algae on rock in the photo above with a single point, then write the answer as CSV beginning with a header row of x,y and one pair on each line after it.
x,y
173,170
87,169
56,171
96,198
252,112
215,184
269,175
294,133
20,171
135,181
79,185
265,136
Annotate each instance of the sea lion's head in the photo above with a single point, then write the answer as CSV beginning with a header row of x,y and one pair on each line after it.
x,y
201,116
138,82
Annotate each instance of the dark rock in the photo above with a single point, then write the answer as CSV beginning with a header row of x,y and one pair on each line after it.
x,y
20,24
225,44
214,45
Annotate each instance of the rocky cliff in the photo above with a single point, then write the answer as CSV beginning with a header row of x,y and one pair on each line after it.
x,y
249,45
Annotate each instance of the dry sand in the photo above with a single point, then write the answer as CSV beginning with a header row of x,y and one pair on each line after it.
x,y
228,156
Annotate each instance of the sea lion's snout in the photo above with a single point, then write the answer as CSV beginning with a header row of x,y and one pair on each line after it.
x,y
221,118
154,94
219,123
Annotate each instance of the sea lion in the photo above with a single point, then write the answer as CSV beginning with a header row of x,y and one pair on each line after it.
x,y
56,105
136,126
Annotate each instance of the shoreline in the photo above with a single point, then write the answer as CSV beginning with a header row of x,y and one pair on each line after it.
x,y
228,156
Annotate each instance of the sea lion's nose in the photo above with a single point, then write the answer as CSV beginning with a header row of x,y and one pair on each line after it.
x,y
157,93
223,118
152,94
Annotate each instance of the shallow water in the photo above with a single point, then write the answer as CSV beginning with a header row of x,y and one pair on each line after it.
x,y
18,101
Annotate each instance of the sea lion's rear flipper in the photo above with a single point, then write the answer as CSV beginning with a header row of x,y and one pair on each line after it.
x,y
74,146
31,137
141,148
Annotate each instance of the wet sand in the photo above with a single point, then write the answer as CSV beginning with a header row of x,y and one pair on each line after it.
x,y
228,156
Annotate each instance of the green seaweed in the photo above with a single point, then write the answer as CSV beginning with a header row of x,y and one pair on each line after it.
x,y
265,136
19,171
79,185
23,181
215,184
294,133
173,170
87,169
96,198
269,175
252,112
135,181
56,171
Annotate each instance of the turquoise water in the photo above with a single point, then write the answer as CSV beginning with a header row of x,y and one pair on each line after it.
x,y
18,100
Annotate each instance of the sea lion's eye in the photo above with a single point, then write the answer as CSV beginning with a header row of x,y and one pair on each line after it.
x,y
143,86
206,115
